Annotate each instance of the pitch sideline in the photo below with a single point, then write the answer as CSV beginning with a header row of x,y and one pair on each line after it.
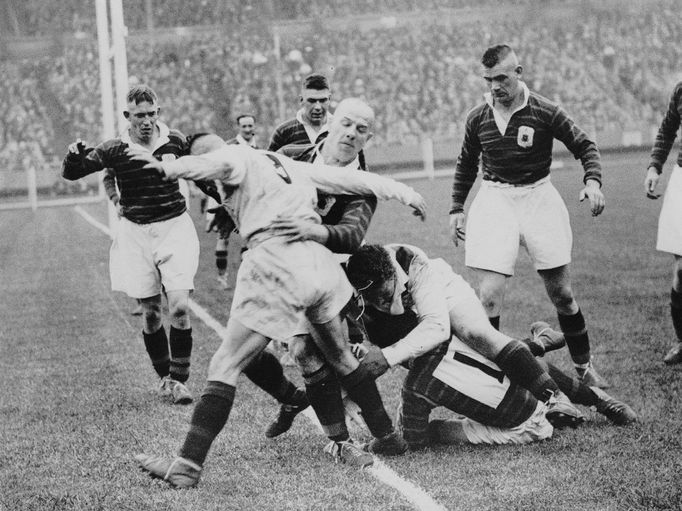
x,y
380,471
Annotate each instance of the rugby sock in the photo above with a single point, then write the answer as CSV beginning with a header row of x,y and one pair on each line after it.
x,y
180,351
578,342
520,366
676,312
221,261
208,419
266,372
324,393
535,348
495,322
576,390
362,389
157,349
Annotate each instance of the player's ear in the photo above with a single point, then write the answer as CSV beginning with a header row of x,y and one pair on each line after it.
x,y
158,110
519,70
369,136
126,114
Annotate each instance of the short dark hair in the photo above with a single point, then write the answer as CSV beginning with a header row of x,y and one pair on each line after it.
x,y
370,265
141,93
495,54
241,116
315,81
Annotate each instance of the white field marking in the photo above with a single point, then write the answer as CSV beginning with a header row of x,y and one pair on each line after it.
x,y
410,491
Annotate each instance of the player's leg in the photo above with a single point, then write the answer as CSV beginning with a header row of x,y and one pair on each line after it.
x,y
492,287
359,384
221,259
558,285
239,346
615,410
674,356
180,341
156,340
266,372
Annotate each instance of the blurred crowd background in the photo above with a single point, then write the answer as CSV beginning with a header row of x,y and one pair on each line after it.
x,y
612,65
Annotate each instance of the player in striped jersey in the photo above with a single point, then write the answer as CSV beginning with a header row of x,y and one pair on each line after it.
x,y
513,132
409,300
283,281
155,247
311,123
669,232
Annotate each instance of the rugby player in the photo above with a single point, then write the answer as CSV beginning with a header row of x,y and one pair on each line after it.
x,y
513,133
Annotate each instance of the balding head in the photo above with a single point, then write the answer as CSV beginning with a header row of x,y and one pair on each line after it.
x,y
356,107
205,143
349,131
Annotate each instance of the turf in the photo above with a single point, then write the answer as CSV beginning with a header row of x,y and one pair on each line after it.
x,y
78,400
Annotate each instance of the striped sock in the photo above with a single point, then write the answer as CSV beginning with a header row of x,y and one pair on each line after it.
x,y
266,372
180,351
520,366
157,349
676,312
221,261
208,419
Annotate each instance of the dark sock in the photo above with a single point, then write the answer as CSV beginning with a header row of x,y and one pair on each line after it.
x,y
575,332
537,351
324,393
267,373
208,419
576,391
495,322
362,389
180,351
157,349
221,260
676,312
520,366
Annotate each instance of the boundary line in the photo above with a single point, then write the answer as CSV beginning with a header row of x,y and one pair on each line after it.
x,y
380,471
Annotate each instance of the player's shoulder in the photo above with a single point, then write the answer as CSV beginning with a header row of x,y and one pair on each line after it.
x,y
287,124
536,100
677,90
300,152
477,112
176,135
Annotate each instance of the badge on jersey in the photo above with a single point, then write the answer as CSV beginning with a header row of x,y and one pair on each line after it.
x,y
168,157
525,136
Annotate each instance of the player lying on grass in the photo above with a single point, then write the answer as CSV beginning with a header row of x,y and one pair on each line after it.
x,y
407,300
281,282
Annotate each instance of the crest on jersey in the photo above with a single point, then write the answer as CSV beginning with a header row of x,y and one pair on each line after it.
x,y
525,136
168,157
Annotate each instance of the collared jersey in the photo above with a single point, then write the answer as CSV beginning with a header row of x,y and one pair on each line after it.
x,y
145,197
668,131
523,153
295,131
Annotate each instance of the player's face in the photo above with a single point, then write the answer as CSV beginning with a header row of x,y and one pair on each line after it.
x,y
380,295
247,127
349,132
142,117
315,105
503,80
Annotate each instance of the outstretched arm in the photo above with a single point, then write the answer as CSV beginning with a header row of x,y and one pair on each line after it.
x,y
81,161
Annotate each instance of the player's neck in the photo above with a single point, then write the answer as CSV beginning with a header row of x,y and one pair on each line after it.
x,y
147,144
329,157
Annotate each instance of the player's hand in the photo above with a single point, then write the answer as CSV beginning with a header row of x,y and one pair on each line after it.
x,y
419,205
457,228
375,361
359,350
592,191
78,147
297,229
141,155
651,182
221,222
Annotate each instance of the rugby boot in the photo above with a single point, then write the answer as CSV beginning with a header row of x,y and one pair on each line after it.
x,y
545,338
287,414
616,411
178,472
591,377
674,356
561,412
179,392
347,452
390,445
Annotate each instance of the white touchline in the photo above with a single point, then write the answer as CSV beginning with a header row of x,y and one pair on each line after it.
x,y
380,471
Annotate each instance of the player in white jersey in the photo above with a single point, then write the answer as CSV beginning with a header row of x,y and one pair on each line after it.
x,y
281,282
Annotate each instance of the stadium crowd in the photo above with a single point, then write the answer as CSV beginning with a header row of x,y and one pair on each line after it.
x,y
420,78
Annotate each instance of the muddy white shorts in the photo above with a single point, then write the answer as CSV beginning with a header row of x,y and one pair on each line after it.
x,y
670,220
503,217
535,428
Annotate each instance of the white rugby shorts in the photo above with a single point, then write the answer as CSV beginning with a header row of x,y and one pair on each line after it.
x,y
503,217
670,220
533,429
280,285
146,258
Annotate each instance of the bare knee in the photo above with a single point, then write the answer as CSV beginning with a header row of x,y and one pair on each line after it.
x,y
305,354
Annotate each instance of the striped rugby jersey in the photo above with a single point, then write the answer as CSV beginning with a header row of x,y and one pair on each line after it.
x,y
348,219
145,196
667,132
523,154
294,131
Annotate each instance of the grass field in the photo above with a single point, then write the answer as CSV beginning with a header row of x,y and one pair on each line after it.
x,y
77,398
